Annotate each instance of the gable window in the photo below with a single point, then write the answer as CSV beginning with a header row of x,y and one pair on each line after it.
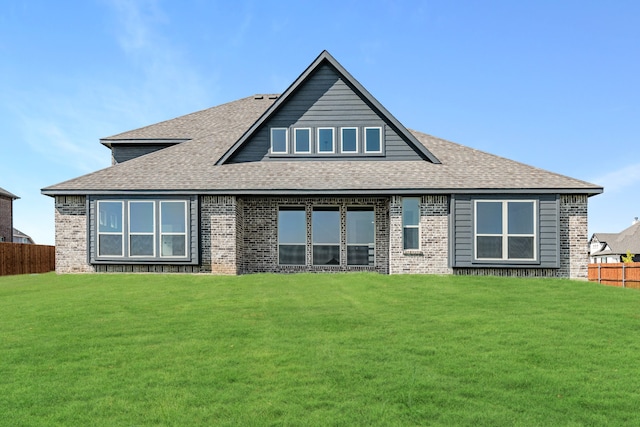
x,y
349,140
411,223
325,223
279,140
143,230
360,236
373,140
110,229
326,140
505,230
292,236
302,140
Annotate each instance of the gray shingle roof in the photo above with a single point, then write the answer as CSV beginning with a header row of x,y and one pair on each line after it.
x,y
5,193
190,167
619,243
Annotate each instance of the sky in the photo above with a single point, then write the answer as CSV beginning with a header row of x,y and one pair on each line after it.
x,y
554,84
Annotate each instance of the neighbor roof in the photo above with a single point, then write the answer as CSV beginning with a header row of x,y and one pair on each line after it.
x,y
5,193
210,137
618,244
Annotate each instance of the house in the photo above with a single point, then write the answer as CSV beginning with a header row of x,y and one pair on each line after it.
x,y
20,237
321,178
6,215
611,247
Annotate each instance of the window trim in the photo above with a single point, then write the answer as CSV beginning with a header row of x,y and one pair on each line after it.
x,y
121,233
342,150
405,226
306,237
505,232
185,232
333,140
286,140
366,151
130,234
295,140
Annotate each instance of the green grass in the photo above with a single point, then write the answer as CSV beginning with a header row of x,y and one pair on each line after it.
x,y
342,349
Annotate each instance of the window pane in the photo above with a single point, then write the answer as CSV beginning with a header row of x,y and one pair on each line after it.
x,y
520,217
303,141
410,211
326,255
326,225
411,238
278,140
110,244
489,217
521,247
141,245
292,226
110,214
325,140
349,140
489,247
292,254
173,217
141,217
360,255
372,139
173,245
360,226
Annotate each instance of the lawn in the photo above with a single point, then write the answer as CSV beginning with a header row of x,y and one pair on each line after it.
x,y
341,349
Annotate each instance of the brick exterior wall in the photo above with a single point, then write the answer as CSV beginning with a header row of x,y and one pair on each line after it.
x,y
259,248
432,257
6,219
221,216
71,235
574,246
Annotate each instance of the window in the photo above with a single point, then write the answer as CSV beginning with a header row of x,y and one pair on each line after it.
x,y
110,230
349,140
505,230
279,140
325,222
360,236
292,236
142,230
325,140
302,140
411,223
373,140
173,228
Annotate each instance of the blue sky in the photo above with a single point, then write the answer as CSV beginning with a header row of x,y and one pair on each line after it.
x,y
554,84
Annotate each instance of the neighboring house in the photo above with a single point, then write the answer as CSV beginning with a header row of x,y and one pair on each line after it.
x,y
611,247
20,237
6,215
320,178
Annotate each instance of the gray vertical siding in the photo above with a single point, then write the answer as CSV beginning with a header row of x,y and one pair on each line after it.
x,y
548,230
325,100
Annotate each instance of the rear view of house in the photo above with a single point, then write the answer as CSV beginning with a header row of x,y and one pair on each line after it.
x,y
320,178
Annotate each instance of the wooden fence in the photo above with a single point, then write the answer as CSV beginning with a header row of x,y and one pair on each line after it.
x,y
22,258
626,275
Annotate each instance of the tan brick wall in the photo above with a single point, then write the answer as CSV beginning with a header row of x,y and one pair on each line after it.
x,y
71,235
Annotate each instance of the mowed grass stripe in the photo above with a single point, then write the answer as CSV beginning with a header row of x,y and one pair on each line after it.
x,y
342,349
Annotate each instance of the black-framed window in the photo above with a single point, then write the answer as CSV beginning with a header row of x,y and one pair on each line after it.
x,y
292,236
505,230
411,223
325,226
361,236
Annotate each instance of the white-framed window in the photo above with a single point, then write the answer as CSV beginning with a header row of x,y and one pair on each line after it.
x,y
292,236
279,140
325,235
373,140
326,141
302,140
349,140
411,223
505,230
361,241
110,228
142,230
142,225
173,228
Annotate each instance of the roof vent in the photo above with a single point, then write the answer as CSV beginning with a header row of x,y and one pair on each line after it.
x,y
635,221
273,96
258,97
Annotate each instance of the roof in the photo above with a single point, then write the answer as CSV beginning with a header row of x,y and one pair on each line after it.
x,y
619,243
5,193
19,234
209,137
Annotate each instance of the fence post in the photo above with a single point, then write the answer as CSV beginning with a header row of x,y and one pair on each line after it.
x,y
623,281
599,273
